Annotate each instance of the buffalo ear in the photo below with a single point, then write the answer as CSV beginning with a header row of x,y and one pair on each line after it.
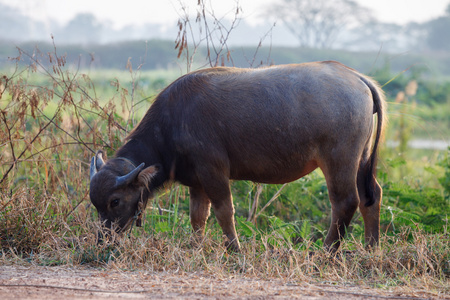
x,y
97,163
145,176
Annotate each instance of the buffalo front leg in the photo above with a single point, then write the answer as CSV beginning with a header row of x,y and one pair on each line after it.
x,y
199,209
224,212
219,192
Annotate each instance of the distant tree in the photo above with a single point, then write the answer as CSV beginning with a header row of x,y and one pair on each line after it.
x,y
317,23
14,25
438,32
82,29
417,34
375,35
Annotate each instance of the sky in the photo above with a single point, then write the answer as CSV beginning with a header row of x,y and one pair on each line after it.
x,y
138,12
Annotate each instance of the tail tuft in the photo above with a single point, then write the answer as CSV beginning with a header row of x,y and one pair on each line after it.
x,y
371,166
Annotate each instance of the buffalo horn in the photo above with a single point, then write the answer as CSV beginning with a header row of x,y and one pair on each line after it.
x,y
128,178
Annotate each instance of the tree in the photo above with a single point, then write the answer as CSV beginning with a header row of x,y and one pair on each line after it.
x,y
83,28
375,35
14,25
438,35
317,23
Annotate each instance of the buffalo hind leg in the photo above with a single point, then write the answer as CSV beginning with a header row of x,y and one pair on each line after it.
x,y
371,214
344,202
199,209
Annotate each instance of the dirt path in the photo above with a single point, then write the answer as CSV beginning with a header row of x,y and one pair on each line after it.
x,y
18,282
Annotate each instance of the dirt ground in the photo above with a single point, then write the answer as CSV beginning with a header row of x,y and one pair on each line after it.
x,y
35,282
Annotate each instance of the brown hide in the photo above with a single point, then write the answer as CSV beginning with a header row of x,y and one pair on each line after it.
x,y
269,125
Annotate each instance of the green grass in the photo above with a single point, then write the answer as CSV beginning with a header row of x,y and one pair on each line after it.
x,y
422,121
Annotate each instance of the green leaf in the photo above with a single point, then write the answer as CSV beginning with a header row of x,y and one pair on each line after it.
x,y
246,228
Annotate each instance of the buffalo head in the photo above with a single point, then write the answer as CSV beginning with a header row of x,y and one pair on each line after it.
x,y
119,190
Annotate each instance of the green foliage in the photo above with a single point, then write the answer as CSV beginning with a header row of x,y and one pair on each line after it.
x,y
431,91
424,207
304,199
445,179
415,201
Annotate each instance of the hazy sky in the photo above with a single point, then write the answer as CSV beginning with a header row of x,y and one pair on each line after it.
x,y
127,12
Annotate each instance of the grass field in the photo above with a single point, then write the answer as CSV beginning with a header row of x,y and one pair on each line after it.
x,y
54,118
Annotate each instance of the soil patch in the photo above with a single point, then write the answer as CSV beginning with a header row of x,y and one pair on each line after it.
x,y
36,282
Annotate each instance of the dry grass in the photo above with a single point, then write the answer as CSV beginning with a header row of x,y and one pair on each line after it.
x,y
37,231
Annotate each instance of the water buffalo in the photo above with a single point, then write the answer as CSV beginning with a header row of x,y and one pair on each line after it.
x,y
268,125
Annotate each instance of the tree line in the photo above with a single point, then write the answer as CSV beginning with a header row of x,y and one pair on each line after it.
x,y
161,54
339,24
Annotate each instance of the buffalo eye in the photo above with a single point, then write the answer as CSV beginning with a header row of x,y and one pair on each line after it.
x,y
114,203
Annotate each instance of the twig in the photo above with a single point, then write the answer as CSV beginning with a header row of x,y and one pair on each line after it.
x,y
277,194
252,215
26,147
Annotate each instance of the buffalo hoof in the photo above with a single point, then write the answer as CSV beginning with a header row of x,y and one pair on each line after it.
x,y
233,246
